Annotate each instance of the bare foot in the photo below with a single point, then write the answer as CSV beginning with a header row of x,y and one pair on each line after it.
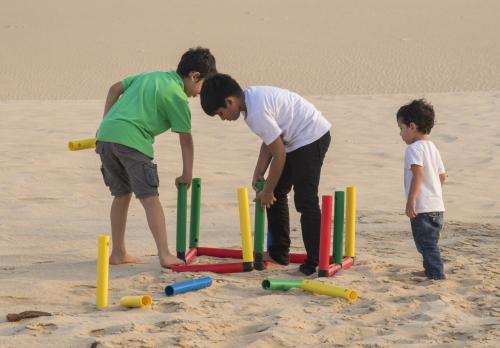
x,y
170,260
116,259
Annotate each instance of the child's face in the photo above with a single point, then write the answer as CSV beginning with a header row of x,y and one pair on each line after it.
x,y
408,132
231,112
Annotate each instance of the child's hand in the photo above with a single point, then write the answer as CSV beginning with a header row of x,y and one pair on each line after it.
x,y
183,179
266,199
256,178
411,210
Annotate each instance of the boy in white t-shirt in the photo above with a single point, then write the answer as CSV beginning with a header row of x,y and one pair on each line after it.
x,y
424,174
295,139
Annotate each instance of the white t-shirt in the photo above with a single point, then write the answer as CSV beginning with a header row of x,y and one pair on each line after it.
x,y
424,153
273,111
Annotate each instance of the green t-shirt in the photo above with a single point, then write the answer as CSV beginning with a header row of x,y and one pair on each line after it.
x,y
152,103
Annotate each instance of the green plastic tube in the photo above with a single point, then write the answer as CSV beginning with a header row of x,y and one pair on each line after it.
x,y
194,232
260,220
338,227
181,220
281,284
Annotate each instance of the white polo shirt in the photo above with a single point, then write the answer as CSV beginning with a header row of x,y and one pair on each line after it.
x,y
273,112
425,154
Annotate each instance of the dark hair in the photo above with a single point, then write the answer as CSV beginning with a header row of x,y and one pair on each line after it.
x,y
419,112
215,90
197,59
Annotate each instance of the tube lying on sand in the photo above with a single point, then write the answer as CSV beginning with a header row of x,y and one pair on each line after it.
x,y
136,301
81,144
280,284
328,290
188,285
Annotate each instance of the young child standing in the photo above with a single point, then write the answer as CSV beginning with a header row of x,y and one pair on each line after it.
x,y
137,109
295,139
424,174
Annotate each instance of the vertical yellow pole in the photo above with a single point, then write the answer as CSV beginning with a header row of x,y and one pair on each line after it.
x,y
102,271
246,231
350,239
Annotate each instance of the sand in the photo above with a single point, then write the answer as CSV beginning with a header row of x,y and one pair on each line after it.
x,y
357,62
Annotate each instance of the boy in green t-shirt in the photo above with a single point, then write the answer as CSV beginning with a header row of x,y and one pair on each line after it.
x,y
137,109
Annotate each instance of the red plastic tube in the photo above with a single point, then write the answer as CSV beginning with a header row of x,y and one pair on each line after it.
x,y
219,252
325,236
297,258
237,254
334,269
190,255
215,268
347,262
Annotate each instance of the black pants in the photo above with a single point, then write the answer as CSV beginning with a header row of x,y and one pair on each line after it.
x,y
302,171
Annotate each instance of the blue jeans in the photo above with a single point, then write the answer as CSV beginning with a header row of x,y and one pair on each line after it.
x,y
425,228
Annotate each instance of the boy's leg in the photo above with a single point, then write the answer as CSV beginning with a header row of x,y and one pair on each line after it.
x,y
142,175
307,162
156,223
116,178
426,228
430,249
118,215
278,218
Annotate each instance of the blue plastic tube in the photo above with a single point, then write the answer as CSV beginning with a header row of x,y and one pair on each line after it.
x,y
188,285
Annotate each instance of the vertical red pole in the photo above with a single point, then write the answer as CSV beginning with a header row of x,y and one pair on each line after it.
x,y
325,236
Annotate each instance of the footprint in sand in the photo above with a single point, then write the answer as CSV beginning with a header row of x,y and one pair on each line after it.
x,y
82,290
112,330
172,307
420,317
41,328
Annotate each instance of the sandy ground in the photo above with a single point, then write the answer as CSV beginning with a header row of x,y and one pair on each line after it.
x,y
357,62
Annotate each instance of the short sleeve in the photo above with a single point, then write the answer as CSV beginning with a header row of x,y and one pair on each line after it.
x,y
179,113
126,82
414,155
441,169
265,126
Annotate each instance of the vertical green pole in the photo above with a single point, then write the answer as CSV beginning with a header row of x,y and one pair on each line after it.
x,y
194,232
181,220
338,228
260,220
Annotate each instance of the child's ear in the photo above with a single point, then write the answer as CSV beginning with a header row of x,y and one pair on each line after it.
x,y
194,75
229,101
413,126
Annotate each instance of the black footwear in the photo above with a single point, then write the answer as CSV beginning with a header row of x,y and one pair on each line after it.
x,y
280,259
307,269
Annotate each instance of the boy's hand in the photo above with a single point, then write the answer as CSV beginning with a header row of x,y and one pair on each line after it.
x,y
183,179
266,199
256,178
411,210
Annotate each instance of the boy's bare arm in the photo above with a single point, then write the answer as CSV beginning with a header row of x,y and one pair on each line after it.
x,y
187,149
263,161
416,183
442,178
115,91
278,153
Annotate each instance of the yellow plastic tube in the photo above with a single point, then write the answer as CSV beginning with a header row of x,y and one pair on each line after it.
x,y
246,231
102,271
81,144
350,230
136,301
328,290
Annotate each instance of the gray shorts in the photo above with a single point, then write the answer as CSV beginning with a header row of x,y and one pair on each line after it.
x,y
127,170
